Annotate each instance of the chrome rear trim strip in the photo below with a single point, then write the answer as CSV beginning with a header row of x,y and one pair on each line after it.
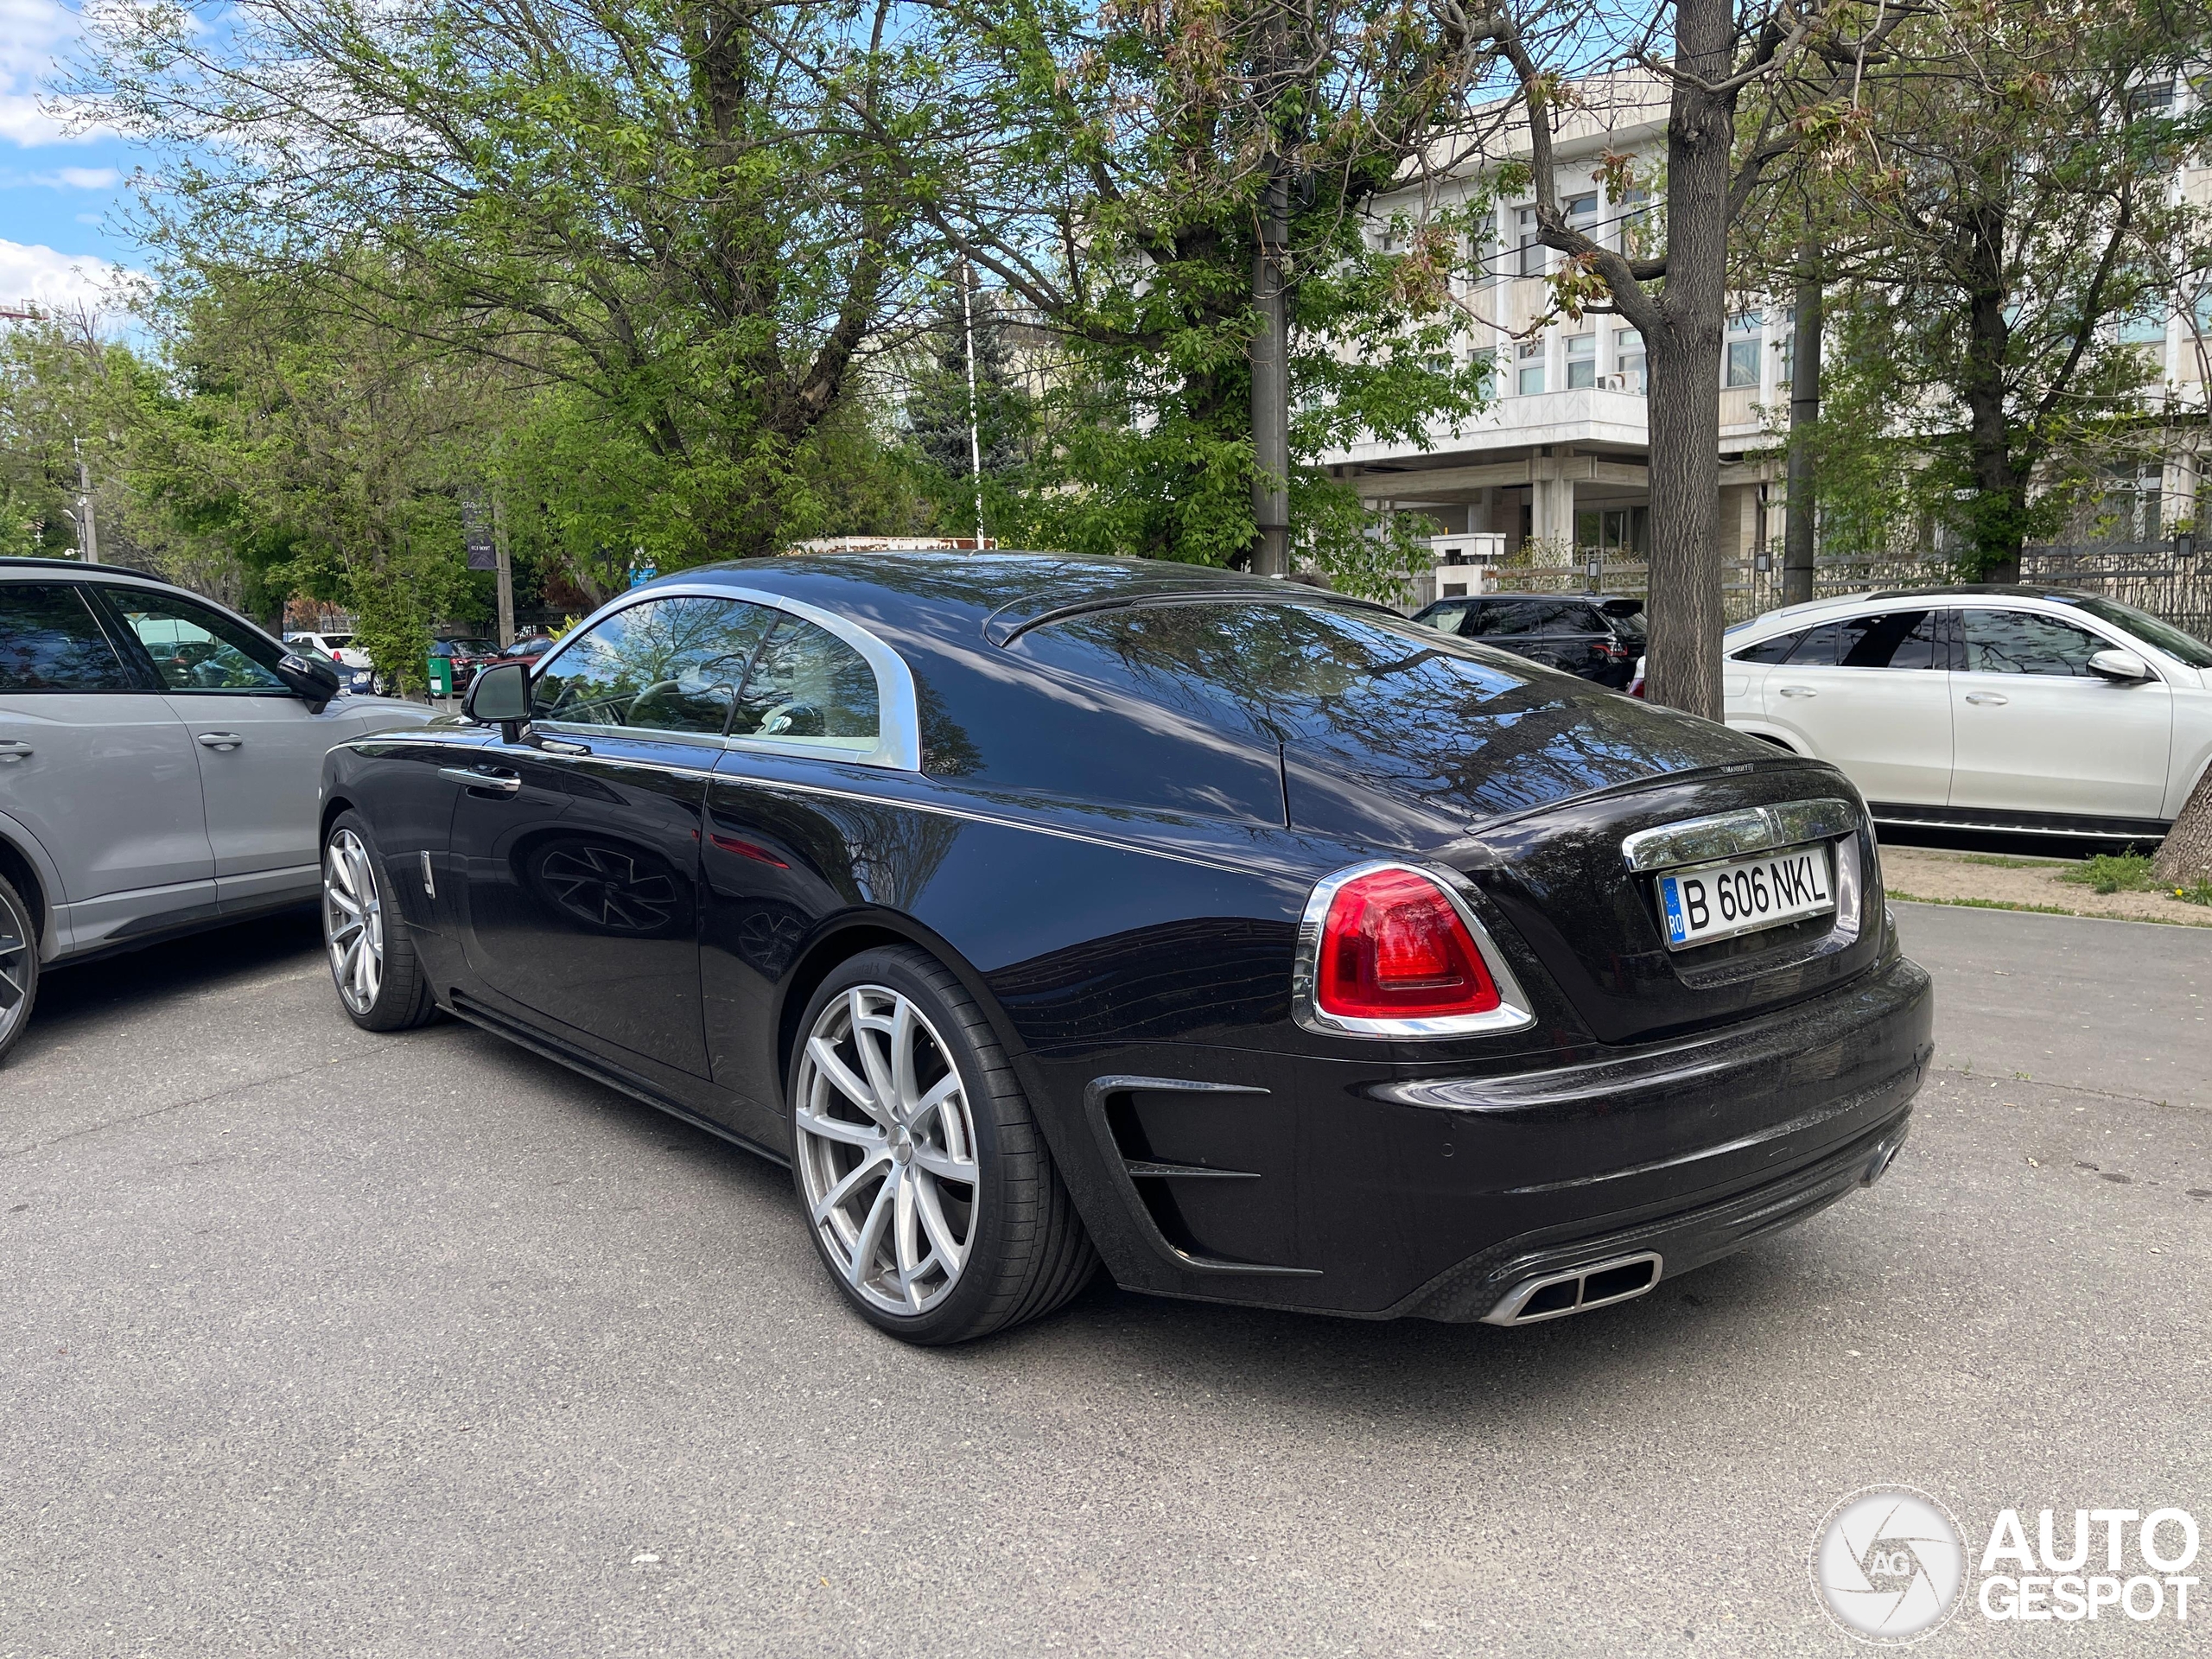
x,y
1726,835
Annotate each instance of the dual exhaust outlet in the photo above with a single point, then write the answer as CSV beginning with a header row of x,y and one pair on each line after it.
x,y
1623,1278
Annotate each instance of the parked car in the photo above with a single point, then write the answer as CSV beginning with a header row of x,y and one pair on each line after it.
x,y
466,655
1595,636
158,760
339,647
528,649
2009,709
1266,945
350,679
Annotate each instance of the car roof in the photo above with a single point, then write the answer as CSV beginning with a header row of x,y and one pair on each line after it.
x,y
1819,610
1589,599
13,564
938,596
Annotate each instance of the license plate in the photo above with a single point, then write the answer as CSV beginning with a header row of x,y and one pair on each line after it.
x,y
1717,901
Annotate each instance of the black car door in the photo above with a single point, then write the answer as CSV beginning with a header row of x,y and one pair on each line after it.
x,y
577,850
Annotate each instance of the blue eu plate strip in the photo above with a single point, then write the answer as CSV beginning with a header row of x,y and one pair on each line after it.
x,y
1677,929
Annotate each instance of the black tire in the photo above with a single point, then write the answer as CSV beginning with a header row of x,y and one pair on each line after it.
x,y
18,966
398,997
1026,1251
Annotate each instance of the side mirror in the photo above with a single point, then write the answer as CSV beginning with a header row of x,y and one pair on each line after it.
x,y
500,696
2124,667
314,683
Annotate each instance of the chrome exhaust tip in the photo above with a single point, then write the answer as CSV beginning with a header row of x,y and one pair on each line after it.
x,y
1885,1155
1556,1295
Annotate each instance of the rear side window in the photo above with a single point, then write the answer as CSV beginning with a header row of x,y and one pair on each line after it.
x,y
1448,618
810,686
2026,642
1893,639
51,641
664,665
1777,649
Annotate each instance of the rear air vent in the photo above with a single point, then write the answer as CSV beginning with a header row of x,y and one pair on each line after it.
x,y
1556,1295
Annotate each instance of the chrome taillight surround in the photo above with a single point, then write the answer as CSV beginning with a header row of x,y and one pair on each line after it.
x,y
1512,1012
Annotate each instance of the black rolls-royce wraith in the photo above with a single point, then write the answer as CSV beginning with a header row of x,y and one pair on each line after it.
x,y
1260,942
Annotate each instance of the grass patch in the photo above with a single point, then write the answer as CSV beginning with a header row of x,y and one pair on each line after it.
x,y
1983,904
1998,860
2114,873
2199,893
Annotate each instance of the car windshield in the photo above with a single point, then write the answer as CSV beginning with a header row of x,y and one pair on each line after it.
x,y
2185,647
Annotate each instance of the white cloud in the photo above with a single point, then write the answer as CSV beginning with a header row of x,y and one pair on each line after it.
x,y
33,33
36,272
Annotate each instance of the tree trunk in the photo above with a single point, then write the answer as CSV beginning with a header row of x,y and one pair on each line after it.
x,y
1999,505
1683,665
2185,856
1271,385
1799,550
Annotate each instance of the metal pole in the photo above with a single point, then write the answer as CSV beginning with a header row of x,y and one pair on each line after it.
x,y
974,426
506,570
1798,549
88,529
1271,384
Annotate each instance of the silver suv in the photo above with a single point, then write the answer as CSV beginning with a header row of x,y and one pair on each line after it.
x,y
159,762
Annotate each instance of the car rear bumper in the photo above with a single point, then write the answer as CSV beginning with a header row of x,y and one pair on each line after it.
x,y
1359,1189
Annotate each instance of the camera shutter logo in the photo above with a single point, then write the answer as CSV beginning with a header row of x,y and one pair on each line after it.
x,y
1888,1563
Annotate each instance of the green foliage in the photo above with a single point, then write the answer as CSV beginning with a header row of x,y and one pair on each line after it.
x,y
1990,204
2113,873
1110,171
664,234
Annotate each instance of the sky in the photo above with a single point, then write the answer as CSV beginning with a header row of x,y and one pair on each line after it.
x,y
63,200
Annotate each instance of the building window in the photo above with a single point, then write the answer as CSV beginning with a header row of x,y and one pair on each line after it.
x,y
1532,251
1742,364
1635,217
1530,354
1582,214
2144,327
1628,356
1581,362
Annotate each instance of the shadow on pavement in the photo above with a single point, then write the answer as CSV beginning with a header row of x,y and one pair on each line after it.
x,y
113,984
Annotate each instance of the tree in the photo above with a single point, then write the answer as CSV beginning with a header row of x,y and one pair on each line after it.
x,y
1744,86
660,219
1998,206
1108,173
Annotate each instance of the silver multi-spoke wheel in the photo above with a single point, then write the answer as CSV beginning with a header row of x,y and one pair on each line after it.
x,y
887,1150
353,921
17,967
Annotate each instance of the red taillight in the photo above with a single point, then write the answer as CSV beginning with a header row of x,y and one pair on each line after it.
x,y
1393,947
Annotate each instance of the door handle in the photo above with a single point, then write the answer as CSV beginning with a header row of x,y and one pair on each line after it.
x,y
1798,692
1987,696
219,740
556,745
509,785
11,752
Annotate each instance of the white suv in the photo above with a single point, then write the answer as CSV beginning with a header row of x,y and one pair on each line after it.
x,y
1984,708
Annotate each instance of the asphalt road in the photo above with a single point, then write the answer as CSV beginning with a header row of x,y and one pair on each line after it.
x,y
317,1343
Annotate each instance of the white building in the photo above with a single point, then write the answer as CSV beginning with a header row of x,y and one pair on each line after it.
x,y
1560,456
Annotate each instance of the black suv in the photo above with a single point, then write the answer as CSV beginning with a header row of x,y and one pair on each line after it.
x,y
1596,636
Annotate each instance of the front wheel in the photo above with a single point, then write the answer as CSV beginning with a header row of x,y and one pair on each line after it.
x,y
18,966
381,980
929,1192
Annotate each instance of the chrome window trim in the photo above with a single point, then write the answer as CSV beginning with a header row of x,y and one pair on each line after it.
x,y
1729,834
1513,1012
898,744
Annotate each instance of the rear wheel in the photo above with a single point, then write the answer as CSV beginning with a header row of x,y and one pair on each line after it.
x,y
18,966
381,980
928,1188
